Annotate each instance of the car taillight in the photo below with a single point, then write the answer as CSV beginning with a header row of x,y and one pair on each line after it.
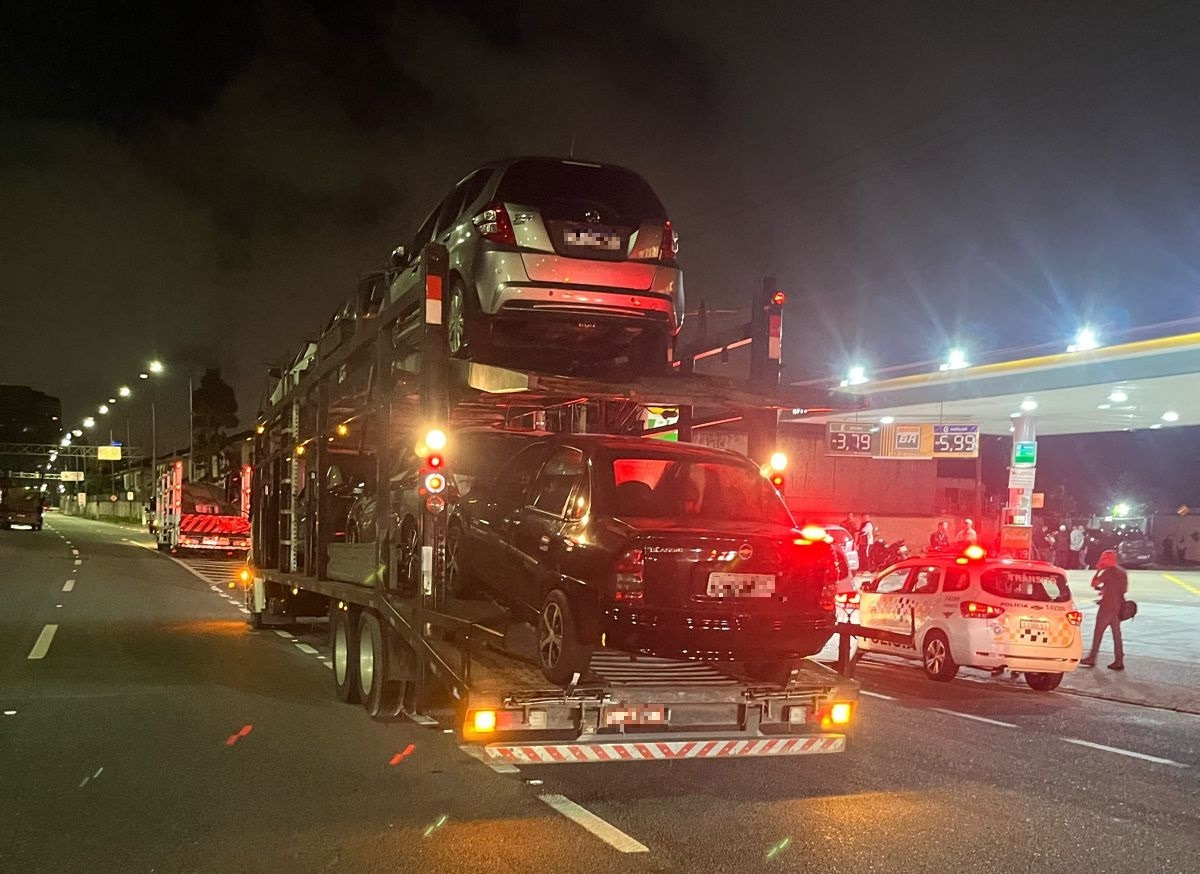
x,y
668,249
976,610
630,578
1075,617
494,224
829,596
849,599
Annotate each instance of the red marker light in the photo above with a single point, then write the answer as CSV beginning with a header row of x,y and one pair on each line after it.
x,y
974,552
779,298
434,460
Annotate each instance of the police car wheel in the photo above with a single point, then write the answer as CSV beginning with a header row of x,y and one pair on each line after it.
x,y
936,659
1043,682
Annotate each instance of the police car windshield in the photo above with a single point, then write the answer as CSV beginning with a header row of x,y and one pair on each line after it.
x,y
1026,585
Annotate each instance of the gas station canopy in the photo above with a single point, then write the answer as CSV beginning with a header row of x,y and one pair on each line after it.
x,y
1145,384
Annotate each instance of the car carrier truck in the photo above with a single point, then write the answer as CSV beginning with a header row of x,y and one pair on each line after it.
x,y
402,642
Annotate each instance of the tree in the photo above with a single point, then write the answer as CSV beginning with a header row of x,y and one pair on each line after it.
x,y
214,408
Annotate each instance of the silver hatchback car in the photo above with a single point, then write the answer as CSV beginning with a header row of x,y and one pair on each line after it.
x,y
555,256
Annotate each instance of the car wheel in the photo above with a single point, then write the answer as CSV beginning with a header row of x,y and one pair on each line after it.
x,y
460,582
343,642
561,652
464,333
936,659
381,697
1043,682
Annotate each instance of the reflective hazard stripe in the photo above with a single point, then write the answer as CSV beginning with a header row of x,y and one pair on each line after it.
x,y
433,299
642,751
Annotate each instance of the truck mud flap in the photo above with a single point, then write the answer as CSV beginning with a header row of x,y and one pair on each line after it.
x,y
650,748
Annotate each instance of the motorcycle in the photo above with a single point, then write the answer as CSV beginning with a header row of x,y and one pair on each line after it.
x,y
882,554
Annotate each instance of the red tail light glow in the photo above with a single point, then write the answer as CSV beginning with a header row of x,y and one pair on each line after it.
x,y
849,599
630,578
1075,617
976,610
974,552
494,224
829,596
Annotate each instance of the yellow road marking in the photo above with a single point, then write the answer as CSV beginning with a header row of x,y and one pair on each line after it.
x,y
1181,583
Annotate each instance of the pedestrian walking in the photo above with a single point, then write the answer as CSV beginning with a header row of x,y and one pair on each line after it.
x,y
940,538
1077,541
1112,582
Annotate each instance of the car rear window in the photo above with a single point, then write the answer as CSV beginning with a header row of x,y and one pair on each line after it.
x,y
667,488
1025,585
566,191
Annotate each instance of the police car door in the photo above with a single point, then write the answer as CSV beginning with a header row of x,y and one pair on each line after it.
x,y
881,605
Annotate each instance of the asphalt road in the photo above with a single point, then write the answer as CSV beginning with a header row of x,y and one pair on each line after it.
x,y
155,732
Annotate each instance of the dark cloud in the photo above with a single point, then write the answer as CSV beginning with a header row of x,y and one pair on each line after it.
x,y
206,184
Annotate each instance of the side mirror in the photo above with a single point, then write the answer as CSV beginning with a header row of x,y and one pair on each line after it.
x,y
399,256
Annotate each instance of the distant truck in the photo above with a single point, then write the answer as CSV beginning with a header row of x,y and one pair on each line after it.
x,y
198,516
21,505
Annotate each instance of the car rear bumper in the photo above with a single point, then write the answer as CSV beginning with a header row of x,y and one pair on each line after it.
x,y
526,283
726,636
988,653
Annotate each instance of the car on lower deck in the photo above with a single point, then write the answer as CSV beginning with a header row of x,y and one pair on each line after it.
x,y
551,255
968,610
635,545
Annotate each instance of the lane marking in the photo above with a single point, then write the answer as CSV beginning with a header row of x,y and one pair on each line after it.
x,y
78,562
1188,586
974,717
286,635
74,552
605,831
42,645
1121,752
68,585
304,647
876,695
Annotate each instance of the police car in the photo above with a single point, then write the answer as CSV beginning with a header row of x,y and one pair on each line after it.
x,y
968,610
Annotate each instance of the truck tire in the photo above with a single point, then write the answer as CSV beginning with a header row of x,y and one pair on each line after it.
x,y
1043,682
381,697
561,651
343,644
936,659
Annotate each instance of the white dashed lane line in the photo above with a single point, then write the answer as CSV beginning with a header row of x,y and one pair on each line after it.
x,y
1121,752
974,717
42,645
876,695
68,585
602,829
304,647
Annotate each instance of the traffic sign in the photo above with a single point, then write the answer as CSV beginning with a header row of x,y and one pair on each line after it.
x,y
850,438
108,453
70,476
1024,453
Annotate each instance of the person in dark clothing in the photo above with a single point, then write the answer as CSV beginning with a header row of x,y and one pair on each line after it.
x,y
1113,582
1062,547
940,538
850,523
1168,551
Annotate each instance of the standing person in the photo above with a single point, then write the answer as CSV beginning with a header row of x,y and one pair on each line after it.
x,y
940,538
1113,582
866,534
968,532
850,523
1168,551
1076,543
1062,547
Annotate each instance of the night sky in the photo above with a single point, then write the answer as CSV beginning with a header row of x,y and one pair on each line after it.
x,y
205,183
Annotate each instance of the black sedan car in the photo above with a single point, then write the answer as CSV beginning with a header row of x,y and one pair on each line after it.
x,y
645,546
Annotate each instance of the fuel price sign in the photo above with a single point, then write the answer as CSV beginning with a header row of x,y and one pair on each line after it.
x,y
955,441
850,438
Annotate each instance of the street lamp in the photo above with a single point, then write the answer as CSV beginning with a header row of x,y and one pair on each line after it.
x,y
857,375
89,422
104,409
1085,341
156,366
124,391
955,360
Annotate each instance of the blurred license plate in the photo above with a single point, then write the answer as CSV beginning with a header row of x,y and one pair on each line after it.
x,y
741,585
647,714
609,240
1040,625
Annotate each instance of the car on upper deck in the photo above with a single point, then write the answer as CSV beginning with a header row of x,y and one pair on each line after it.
x,y
552,255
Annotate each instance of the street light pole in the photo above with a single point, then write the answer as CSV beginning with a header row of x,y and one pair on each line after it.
x,y
191,434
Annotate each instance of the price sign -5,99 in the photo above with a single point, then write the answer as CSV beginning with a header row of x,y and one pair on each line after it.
x,y
955,441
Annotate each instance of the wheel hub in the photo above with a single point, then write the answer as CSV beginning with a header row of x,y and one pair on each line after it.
x,y
550,646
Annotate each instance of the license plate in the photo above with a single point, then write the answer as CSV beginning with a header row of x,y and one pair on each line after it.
x,y
741,585
1041,626
647,714
594,239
